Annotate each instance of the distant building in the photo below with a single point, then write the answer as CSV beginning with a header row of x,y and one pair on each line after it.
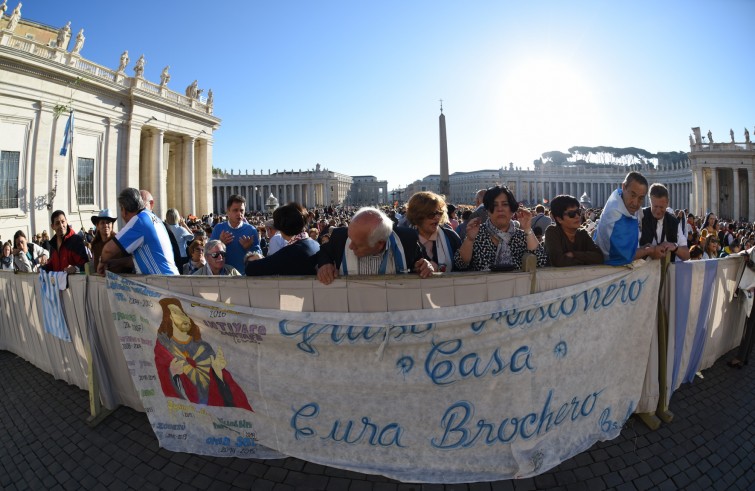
x,y
127,131
310,188
367,191
724,176
533,186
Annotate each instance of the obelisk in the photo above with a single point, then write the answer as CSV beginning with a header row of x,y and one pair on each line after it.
x,y
445,185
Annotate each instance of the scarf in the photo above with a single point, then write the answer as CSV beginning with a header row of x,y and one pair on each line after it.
x,y
297,238
350,261
442,249
503,253
7,261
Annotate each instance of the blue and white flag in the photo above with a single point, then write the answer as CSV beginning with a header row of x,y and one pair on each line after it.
x,y
52,308
68,136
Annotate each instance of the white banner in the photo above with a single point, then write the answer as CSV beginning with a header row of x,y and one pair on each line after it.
x,y
480,392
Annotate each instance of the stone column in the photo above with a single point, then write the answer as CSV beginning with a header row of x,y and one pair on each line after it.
x,y
714,190
43,176
109,187
189,202
750,195
735,194
697,177
158,184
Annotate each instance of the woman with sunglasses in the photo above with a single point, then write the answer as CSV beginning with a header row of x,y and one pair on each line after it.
x,y
566,243
497,244
710,251
427,213
214,254
196,257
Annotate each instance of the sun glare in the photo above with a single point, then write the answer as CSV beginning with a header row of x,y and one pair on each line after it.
x,y
546,105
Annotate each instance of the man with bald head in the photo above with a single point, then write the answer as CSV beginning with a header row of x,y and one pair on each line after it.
x,y
370,246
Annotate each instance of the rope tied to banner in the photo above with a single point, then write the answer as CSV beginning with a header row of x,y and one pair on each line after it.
x,y
384,343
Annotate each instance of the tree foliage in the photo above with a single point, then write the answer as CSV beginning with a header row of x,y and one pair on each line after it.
x,y
605,156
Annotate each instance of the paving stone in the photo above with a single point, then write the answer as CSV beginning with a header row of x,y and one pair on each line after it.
x,y
360,485
643,483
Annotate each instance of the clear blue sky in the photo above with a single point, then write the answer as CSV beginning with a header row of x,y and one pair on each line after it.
x,y
354,85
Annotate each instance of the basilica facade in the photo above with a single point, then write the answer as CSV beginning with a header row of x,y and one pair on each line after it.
x,y
74,133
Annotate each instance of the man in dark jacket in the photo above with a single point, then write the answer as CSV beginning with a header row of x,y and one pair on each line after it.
x,y
660,228
370,246
67,252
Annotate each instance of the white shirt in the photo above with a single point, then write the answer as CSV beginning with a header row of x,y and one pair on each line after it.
x,y
681,238
276,243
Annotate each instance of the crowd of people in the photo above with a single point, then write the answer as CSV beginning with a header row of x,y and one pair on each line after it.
x,y
426,236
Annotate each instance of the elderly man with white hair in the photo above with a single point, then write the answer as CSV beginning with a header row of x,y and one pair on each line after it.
x,y
370,246
215,254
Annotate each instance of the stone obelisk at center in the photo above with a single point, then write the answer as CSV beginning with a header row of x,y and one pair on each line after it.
x,y
445,185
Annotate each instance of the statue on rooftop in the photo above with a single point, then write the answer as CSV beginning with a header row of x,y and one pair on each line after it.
x,y
64,36
124,61
14,18
747,136
79,42
691,141
191,90
731,133
3,8
710,137
139,67
165,76
210,98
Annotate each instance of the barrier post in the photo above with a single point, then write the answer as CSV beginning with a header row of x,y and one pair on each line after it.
x,y
96,412
662,410
529,265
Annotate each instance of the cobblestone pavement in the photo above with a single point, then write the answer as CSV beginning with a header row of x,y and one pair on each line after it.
x,y
46,444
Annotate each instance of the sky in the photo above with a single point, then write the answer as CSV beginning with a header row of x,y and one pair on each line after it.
x,y
355,85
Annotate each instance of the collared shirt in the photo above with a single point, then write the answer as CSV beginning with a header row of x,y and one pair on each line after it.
x,y
659,236
371,264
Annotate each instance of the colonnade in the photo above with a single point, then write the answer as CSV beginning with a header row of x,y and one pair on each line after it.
x,y
725,191
307,194
176,169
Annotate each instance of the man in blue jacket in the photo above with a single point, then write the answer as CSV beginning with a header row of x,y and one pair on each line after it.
x,y
618,231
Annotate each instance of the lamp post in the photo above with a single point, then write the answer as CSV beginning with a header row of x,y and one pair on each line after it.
x,y
255,198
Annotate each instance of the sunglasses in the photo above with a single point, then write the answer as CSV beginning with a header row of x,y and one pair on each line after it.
x,y
571,213
435,214
215,255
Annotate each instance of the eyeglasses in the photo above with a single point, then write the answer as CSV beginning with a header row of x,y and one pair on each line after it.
x,y
215,255
435,214
571,213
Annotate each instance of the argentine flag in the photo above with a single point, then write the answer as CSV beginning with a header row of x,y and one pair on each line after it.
x,y
68,137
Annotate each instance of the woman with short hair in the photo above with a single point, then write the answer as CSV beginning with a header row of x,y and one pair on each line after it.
x,y
6,261
215,254
297,256
427,213
566,243
497,243
196,257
